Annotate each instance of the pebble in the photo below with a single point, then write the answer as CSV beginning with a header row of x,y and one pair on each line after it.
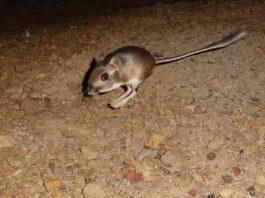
x,y
236,170
12,89
211,196
227,179
216,84
72,86
93,190
251,190
138,133
15,161
193,192
226,192
233,193
36,94
51,183
156,140
89,153
211,156
259,184
216,143
255,124
145,153
6,141
175,160
29,105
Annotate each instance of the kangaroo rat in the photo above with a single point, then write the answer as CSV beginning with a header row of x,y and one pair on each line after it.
x,y
129,66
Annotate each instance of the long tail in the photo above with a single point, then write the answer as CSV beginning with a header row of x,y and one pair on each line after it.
x,y
228,40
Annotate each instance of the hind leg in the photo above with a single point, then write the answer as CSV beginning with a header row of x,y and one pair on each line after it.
x,y
122,100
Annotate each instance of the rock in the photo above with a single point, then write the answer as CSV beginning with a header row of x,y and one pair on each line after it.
x,y
251,190
27,34
233,193
156,140
211,156
226,192
15,161
212,125
90,175
227,179
211,196
51,183
236,170
193,192
255,124
138,133
29,105
216,143
6,141
240,119
89,153
259,184
197,177
72,86
145,152
12,89
93,190
175,160
36,94
216,84
132,176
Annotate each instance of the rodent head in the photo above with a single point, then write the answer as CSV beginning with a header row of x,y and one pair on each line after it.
x,y
103,77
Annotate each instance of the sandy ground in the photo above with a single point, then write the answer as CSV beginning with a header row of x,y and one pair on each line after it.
x,y
196,128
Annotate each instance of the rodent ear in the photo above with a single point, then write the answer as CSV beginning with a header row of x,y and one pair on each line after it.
x,y
117,62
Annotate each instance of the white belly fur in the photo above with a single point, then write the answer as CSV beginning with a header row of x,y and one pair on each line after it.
x,y
134,83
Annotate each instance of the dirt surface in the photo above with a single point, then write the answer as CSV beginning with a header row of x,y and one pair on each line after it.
x,y
196,128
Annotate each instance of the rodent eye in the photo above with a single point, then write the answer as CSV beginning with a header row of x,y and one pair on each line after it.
x,y
105,77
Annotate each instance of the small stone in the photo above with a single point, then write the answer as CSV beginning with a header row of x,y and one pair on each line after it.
x,y
211,156
72,86
216,84
12,89
236,170
216,143
251,190
226,193
197,177
133,176
89,175
211,124
227,179
240,119
211,196
259,184
192,192
15,161
145,153
27,34
41,75
29,105
255,124
89,153
51,183
6,141
93,190
138,133
52,167
156,140
36,94
174,160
